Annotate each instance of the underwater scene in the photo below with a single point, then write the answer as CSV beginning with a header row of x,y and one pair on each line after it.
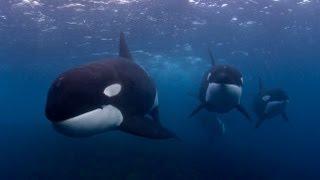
x,y
160,89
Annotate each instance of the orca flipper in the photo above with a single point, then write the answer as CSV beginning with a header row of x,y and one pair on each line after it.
x,y
243,111
285,116
259,122
123,48
146,127
197,109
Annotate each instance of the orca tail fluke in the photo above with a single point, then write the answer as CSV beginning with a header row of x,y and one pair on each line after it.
x,y
244,112
146,127
123,47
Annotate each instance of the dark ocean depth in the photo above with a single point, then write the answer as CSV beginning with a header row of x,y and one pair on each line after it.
x,y
275,40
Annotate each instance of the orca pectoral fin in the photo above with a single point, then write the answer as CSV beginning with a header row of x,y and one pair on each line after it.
x,y
285,116
146,127
244,112
259,122
195,111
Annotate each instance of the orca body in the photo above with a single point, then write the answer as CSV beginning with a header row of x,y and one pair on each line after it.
x,y
221,90
269,104
113,94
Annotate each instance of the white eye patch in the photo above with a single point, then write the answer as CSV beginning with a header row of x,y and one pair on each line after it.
x,y
112,90
242,80
266,97
208,77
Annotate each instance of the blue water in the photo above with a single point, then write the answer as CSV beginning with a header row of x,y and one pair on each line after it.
x,y
277,40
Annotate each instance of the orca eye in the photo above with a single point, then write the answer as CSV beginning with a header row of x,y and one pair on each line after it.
x,y
242,80
112,90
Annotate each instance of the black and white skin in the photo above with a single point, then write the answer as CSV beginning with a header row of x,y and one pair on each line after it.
x,y
269,104
112,94
221,90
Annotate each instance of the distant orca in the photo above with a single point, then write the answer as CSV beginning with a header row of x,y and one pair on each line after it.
x,y
214,127
270,103
221,90
114,94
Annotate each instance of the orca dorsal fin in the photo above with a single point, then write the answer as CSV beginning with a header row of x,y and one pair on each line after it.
x,y
213,61
261,87
123,48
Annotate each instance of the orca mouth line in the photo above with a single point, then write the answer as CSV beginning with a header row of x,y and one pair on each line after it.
x,y
225,84
80,115
101,108
75,116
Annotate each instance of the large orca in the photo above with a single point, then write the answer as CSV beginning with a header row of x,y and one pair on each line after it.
x,y
221,89
112,94
270,103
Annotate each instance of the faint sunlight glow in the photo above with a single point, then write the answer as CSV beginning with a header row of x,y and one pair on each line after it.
x,y
123,1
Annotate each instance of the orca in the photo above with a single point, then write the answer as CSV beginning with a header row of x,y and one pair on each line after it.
x,y
221,90
111,94
270,103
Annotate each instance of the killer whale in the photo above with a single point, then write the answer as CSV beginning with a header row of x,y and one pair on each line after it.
x,y
112,94
270,103
221,90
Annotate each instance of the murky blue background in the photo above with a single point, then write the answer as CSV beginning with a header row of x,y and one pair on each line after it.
x,y
277,40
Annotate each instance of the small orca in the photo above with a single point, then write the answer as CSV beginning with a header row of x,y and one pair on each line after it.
x,y
221,90
113,94
270,103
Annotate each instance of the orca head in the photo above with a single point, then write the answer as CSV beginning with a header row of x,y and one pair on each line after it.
x,y
225,75
224,84
80,102
275,95
276,101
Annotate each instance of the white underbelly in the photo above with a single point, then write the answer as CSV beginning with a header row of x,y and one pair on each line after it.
x,y
90,123
223,95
